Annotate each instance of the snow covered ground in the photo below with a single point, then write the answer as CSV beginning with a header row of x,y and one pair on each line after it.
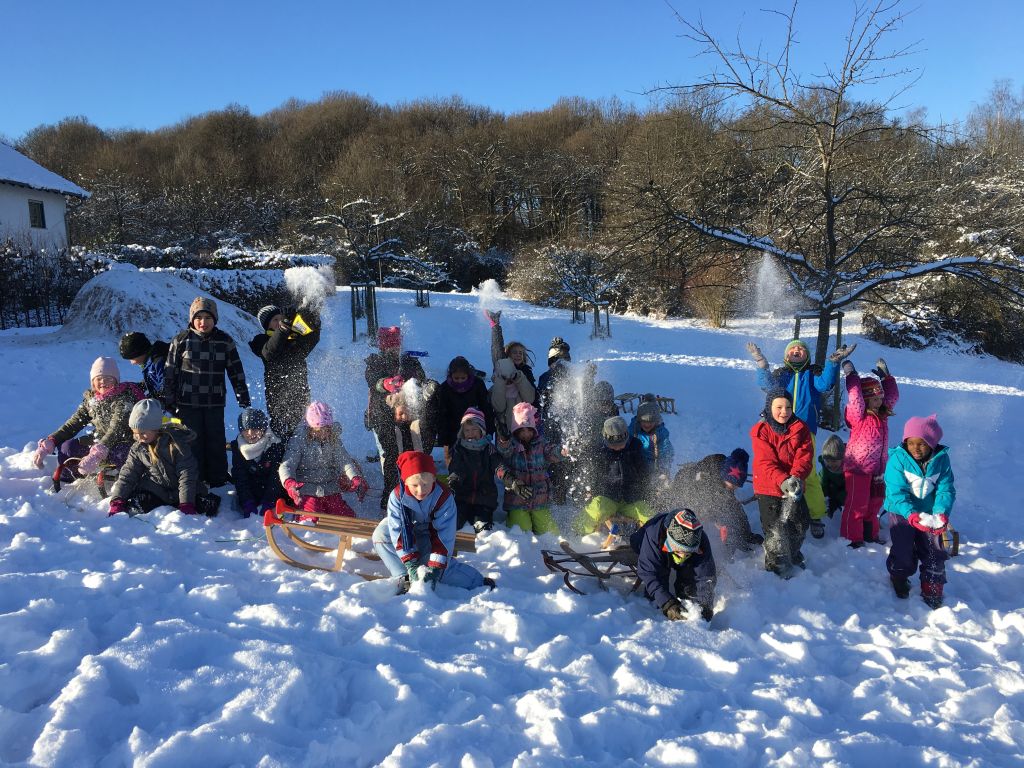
x,y
173,641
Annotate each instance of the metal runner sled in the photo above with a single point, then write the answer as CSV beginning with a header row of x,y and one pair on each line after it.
x,y
628,402
344,528
600,565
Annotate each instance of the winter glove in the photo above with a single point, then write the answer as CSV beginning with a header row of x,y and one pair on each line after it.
x,y
90,463
292,486
521,489
755,352
707,612
453,480
248,508
881,369
673,610
360,486
791,487
187,509
117,505
928,523
413,569
842,353
433,577
848,368
494,318
46,446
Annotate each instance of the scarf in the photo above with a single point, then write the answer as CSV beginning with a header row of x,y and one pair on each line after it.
x,y
774,425
252,451
474,445
464,386
121,388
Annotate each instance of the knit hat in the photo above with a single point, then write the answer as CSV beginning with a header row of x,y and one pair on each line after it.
x,y
797,343
524,415
558,349
393,384
104,366
389,337
476,416
683,534
202,304
603,392
133,345
775,394
649,411
925,427
615,431
253,418
268,313
834,448
869,386
734,468
415,463
146,415
319,414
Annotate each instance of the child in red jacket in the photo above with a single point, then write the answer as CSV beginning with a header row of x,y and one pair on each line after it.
x,y
783,458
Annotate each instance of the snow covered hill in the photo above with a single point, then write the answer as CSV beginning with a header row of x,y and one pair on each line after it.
x,y
173,641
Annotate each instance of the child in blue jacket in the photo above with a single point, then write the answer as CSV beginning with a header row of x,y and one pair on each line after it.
x,y
919,494
648,427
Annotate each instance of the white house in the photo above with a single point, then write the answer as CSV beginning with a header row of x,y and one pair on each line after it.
x,y
33,202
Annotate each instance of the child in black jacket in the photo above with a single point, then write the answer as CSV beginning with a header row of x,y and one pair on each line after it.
x,y
471,472
256,455
461,389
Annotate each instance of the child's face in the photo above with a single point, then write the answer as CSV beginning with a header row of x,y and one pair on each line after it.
x,y
471,431
103,384
253,435
648,425
140,360
874,402
275,322
147,436
833,465
525,435
782,409
203,322
402,413
796,354
459,377
320,433
730,485
918,448
420,485
517,355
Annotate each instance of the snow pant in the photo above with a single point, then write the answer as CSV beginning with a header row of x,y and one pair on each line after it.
x,y
601,508
538,520
473,513
785,523
733,530
813,494
456,574
209,447
325,505
911,548
78,447
864,497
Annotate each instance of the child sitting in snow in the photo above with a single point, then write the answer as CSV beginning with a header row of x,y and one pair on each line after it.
x,y
869,406
106,405
160,468
830,473
619,480
256,455
471,472
783,458
416,538
649,430
919,496
527,456
674,562
317,467
462,388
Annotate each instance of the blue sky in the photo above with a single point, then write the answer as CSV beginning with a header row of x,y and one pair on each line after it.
x,y
147,64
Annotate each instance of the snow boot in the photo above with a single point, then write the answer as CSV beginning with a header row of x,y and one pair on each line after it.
x,y
817,529
855,544
490,583
403,585
785,571
869,537
901,586
931,593
208,504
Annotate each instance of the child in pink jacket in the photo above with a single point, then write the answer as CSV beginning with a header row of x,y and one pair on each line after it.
x,y
869,406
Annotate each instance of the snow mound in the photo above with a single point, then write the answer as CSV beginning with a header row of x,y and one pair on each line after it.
x,y
124,299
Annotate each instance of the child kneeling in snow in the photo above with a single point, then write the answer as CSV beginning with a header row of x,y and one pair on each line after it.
x,y
619,480
527,456
317,467
256,456
674,555
649,430
106,405
160,468
919,495
416,538
830,473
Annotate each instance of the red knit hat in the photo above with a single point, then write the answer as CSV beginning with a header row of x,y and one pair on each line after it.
x,y
869,386
389,337
414,463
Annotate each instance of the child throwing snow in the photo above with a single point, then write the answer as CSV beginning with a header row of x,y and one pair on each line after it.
x,y
919,496
416,538
197,360
285,373
150,356
256,455
106,405
830,473
869,406
619,481
471,472
783,456
317,467
674,562
515,351
160,468
527,456
511,387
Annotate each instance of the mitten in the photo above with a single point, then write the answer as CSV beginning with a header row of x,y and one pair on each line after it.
x,y
187,509
494,318
842,353
928,523
454,480
248,508
359,485
755,352
413,569
673,610
432,577
848,368
523,490
792,487
46,446
292,486
117,505
707,612
881,369
91,461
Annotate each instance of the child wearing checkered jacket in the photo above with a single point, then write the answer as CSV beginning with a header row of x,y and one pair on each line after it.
x,y
197,360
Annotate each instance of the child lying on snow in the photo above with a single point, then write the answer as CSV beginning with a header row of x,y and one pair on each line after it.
x,y
416,539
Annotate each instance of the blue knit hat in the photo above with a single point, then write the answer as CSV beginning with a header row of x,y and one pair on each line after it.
x,y
734,468
253,418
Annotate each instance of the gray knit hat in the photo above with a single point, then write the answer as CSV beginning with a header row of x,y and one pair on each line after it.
x,y
834,448
146,415
615,430
649,411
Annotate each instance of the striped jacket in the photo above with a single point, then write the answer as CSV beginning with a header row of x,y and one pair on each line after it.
x,y
195,368
435,515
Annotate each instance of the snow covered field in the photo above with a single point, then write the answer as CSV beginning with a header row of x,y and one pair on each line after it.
x,y
174,641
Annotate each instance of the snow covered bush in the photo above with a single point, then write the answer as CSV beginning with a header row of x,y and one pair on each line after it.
x,y
37,287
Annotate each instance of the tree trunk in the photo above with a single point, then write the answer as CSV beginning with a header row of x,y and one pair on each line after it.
x,y
821,344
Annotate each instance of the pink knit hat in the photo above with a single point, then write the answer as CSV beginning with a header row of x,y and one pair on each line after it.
x,y
926,428
104,366
475,415
524,415
319,414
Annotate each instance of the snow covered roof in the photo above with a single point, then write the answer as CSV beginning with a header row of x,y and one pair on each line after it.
x,y
15,168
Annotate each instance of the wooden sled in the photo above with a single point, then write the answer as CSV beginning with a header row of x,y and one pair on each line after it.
x,y
344,528
601,565
628,402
